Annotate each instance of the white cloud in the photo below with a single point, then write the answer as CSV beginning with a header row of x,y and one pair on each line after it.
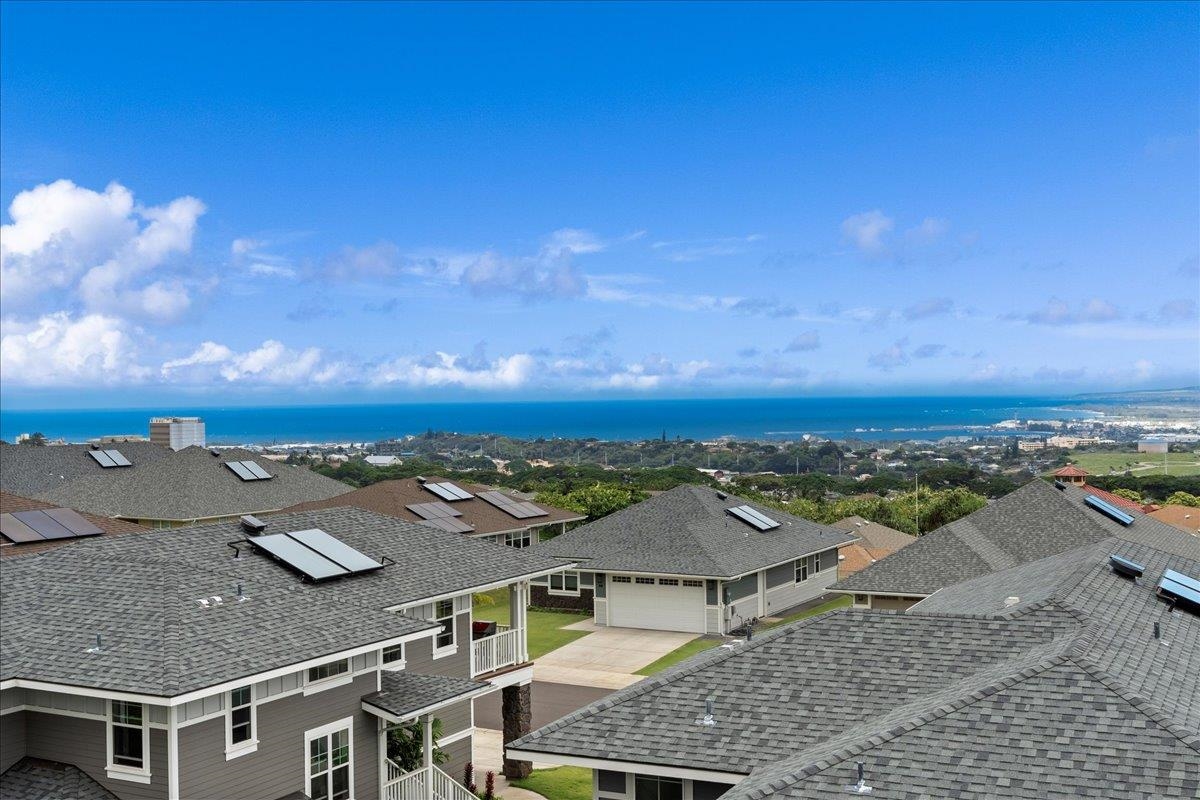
x,y
809,340
1059,312
98,244
574,240
447,369
245,245
933,307
686,250
61,350
929,231
868,230
890,357
271,363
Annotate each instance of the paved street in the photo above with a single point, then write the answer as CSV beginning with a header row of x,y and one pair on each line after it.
x,y
550,701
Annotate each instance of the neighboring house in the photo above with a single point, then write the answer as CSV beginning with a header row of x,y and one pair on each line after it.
x,y
875,542
193,663
382,461
692,559
26,527
156,486
472,509
1037,520
1077,476
1186,518
1056,677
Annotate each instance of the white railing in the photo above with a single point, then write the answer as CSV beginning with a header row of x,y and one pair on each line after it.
x,y
494,652
502,627
426,783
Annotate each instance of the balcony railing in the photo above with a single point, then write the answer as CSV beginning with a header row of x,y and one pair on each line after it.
x,y
426,783
505,648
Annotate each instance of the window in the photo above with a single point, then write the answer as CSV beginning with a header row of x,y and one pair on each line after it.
x,y
710,593
393,654
644,581
241,723
802,570
564,583
704,790
694,584
518,539
611,782
329,771
128,742
326,671
862,600
620,579
668,581
601,589
444,613
652,787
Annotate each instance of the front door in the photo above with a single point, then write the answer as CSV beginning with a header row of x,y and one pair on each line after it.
x,y
330,771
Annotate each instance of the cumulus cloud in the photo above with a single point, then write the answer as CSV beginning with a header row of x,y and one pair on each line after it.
x,y
448,369
574,240
1059,312
890,357
933,307
101,245
61,350
809,340
868,230
272,363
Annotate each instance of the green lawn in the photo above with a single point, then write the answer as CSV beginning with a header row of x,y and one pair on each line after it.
x,y
840,602
545,627
559,783
1140,464
678,654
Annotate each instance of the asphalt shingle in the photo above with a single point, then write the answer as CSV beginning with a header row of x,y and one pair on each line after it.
x,y
405,693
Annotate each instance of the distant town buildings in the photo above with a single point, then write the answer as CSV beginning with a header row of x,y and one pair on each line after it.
x,y
1153,446
1071,442
177,432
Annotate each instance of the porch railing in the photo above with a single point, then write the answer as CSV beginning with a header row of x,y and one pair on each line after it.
x,y
426,783
495,652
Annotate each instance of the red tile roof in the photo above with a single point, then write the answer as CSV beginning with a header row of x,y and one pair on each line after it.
x,y
1071,471
1115,499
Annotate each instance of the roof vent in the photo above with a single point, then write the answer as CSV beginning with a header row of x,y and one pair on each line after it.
x,y
241,596
1123,566
98,647
203,602
1060,486
421,479
1011,601
722,496
252,524
860,787
708,720
214,454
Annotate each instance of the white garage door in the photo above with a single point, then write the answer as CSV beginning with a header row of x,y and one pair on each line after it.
x,y
661,604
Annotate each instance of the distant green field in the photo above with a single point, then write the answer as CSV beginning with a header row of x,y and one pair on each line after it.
x,y
1137,463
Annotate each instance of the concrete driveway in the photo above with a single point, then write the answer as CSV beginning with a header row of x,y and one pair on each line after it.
x,y
550,701
607,657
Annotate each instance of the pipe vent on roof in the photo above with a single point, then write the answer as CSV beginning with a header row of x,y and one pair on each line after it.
x,y
98,647
860,787
709,720
1011,601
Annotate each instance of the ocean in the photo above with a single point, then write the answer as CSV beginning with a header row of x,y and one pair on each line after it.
x,y
871,418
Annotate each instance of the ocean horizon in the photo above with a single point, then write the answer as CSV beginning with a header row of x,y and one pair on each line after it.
x,y
870,418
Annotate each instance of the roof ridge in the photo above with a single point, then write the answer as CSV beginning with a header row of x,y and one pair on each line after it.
x,y
861,738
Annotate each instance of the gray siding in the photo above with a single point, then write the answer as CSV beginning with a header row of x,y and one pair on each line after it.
x,y
418,655
455,718
81,742
12,739
793,594
460,754
277,768
782,574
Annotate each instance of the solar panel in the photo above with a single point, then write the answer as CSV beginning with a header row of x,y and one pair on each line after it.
x,y
1180,578
433,510
448,491
73,521
1180,588
257,471
244,472
520,509
336,550
102,458
118,459
753,518
451,524
1108,509
459,492
299,557
16,531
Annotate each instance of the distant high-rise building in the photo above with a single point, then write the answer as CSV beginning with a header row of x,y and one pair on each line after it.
x,y
177,432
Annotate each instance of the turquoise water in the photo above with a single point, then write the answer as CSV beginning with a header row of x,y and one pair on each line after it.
x,y
759,418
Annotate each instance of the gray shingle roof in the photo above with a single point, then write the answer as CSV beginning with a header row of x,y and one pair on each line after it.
x,y
162,484
37,779
1066,693
140,591
405,693
1031,523
687,531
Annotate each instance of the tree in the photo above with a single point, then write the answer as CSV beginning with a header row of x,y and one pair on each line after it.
x,y
35,439
597,500
1129,494
1183,499
404,745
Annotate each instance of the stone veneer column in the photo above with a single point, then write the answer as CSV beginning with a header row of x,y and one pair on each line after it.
x,y
517,709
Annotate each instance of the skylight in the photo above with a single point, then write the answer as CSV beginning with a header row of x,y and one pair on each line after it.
x,y
755,519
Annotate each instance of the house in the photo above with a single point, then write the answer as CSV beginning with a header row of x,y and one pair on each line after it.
x,y
382,461
237,660
471,509
1035,521
875,542
31,526
1061,676
1186,518
1077,476
692,559
159,487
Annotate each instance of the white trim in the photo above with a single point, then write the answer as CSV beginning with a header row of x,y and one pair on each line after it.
x,y
565,592
172,754
121,772
457,737
325,730
515,677
232,750
626,766
62,712
888,594
197,694
483,587
343,678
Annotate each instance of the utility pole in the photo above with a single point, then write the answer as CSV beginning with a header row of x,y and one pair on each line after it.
x,y
917,498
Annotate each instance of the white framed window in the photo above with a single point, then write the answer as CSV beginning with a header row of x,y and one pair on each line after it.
x,y
443,613
392,657
566,582
693,583
241,722
654,787
329,765
621,579
644,581
807,567
668,581
128,742
862,600
327,675
518,539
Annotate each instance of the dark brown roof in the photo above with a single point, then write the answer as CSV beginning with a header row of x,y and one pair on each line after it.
x,y
10,503
393,498
874,535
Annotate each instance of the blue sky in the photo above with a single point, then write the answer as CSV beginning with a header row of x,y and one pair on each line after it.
x,y
221,203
